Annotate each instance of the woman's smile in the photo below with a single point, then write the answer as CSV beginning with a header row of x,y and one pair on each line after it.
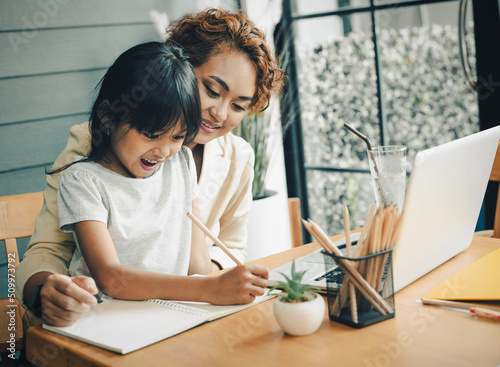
x,y
209,127
227,85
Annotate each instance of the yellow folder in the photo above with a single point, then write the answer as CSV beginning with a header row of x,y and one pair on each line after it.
x,y
479,281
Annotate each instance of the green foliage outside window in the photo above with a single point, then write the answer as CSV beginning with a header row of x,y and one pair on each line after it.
x,y
427,103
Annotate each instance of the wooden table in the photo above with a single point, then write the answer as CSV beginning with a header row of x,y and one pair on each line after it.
x,y
418,336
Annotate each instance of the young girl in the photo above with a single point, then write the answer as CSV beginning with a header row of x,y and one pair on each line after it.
x,y
127,201
231,60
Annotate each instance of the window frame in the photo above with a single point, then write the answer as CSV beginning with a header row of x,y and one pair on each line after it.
x,y
486,19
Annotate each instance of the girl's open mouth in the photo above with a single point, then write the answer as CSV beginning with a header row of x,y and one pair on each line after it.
x,y
148,165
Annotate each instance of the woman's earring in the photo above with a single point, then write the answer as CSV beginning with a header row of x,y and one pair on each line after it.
x,y
107,131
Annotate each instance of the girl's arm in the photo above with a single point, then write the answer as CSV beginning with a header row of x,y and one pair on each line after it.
x,y
240,285
200,262
124,282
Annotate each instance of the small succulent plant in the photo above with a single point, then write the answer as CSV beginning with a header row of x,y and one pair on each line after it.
x,y
292,289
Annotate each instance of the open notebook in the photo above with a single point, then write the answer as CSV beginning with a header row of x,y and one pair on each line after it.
x,y
125,326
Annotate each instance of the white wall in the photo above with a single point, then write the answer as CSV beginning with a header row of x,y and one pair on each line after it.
x,y
269,226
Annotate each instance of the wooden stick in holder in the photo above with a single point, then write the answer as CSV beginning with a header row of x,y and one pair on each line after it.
x,y
386,243
359,282
359,248
352,291
382,236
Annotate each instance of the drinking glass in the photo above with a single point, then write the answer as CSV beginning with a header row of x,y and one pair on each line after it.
x,y
388,171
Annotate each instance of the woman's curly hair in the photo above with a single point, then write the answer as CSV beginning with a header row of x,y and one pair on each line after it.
x,y
216,31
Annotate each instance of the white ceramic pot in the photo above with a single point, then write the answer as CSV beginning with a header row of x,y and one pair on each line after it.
x,y
301,318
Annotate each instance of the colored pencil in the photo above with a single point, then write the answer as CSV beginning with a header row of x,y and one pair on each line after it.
x,y
217,242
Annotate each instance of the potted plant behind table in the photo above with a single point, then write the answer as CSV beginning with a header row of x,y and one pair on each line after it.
x,y
268,222
262,132
298,309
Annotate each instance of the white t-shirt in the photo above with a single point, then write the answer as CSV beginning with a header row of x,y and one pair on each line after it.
x,y
146,218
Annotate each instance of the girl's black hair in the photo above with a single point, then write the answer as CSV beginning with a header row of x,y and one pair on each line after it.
x,y
149,87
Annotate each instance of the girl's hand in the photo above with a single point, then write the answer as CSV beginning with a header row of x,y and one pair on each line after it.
x,y
64,300
239,285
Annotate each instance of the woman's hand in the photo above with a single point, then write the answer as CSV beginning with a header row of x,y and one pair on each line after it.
x,y
239,285
66,299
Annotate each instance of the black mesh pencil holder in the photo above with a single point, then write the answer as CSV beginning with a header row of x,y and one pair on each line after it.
x,y
372,300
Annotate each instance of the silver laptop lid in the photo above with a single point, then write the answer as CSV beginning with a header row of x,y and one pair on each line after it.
x,y
442,205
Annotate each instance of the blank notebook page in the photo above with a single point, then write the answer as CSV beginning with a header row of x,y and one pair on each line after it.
x,y
125,326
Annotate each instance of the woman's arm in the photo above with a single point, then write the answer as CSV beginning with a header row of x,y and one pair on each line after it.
x,y
50,250
65,299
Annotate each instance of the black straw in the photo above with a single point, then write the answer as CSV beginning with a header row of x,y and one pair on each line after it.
x,y
353,130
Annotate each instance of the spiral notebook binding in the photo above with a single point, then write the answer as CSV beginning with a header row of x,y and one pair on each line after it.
x,y
179,307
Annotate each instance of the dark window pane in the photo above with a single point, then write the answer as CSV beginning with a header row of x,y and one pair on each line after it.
x,y
328,193
427,101
337,84
304,7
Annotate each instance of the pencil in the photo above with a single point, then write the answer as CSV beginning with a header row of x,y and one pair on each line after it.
x,y
357,253
308,226
352,292
454,304
480,311
485,313
359,282
364,233
213,238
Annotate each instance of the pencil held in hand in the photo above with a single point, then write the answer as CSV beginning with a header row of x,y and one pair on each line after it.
x,y
210,235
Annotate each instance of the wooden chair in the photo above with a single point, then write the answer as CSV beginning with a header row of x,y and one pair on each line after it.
x,y
295,222
494,177
17,220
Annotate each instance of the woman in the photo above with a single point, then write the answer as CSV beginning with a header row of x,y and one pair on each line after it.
x,y
236,73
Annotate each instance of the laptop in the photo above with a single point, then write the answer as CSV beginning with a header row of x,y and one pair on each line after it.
x,y
441,208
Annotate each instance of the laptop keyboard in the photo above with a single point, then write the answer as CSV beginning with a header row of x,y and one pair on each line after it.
x,y
335,275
